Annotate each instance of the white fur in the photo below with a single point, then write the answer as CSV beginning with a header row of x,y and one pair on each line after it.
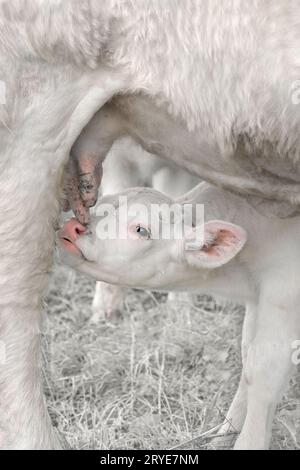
x,y
48,102
128,165
203,82
263,275
210,88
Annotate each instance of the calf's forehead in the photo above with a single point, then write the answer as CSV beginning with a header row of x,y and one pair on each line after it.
x,y
145,196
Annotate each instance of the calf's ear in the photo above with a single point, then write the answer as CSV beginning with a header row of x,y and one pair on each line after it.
x,y
217,242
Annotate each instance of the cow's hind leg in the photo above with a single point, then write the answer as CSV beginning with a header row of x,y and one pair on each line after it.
x,y
28,209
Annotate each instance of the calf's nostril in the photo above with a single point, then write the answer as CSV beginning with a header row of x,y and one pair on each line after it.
x,y
77,228
73,229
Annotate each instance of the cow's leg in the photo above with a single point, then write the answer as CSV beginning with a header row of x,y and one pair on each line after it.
x,y
27,240
269,361
31,161
236,415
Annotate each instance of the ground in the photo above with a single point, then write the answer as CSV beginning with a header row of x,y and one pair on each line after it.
x,y
159,378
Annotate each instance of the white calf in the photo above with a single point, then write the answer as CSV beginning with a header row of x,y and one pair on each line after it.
x,y
128,165
257,264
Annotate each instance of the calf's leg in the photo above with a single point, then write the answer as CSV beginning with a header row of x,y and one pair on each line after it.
x,y
269,361
236,415
108,301
237,412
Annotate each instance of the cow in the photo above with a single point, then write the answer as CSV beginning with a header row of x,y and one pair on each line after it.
x,y
212,85
243,256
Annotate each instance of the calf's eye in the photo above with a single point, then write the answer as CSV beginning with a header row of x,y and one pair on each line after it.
x,y
143,232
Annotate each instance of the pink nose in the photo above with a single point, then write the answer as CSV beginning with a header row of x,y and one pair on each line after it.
x,y
73,230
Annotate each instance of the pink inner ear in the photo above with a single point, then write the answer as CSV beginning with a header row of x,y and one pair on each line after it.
x,y
222,240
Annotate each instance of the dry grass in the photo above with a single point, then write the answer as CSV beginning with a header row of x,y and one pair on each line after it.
x,y
157,379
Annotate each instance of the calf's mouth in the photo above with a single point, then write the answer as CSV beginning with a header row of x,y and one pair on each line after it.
x,y
69,245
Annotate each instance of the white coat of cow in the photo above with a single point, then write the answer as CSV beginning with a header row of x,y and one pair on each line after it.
x,y
206,83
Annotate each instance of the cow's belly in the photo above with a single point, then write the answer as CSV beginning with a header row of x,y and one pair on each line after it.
x,y
254,169
159,134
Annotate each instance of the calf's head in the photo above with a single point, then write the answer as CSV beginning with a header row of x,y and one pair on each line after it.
x,y
121,246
